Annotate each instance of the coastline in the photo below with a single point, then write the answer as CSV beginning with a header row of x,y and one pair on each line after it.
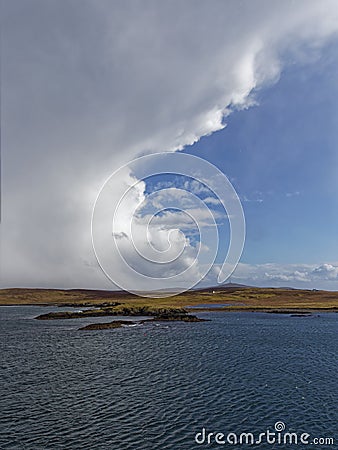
x,y
212,299
295,302
86,303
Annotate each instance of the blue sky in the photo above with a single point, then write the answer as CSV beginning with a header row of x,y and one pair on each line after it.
x,y
281,157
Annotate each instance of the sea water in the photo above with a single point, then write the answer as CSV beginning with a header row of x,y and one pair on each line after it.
x,y
162,385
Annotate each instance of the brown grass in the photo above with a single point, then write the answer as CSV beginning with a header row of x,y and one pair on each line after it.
x,y
240,299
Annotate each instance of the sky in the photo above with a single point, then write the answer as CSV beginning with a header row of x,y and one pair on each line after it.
x,y
88,86
282,157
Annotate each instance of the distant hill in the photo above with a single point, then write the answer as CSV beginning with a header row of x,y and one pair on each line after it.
x,y
234,285
230,285
221,287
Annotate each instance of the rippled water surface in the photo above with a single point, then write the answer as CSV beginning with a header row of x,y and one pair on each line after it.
x,y
155,386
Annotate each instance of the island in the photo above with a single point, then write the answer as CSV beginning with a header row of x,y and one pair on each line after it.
x,y
226,298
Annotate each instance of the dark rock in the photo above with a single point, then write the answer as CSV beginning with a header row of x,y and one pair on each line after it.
x,y
106,326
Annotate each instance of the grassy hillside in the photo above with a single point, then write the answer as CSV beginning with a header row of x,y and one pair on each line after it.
x,y
233,299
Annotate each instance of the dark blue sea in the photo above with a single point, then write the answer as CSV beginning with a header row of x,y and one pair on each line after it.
x,y
158,386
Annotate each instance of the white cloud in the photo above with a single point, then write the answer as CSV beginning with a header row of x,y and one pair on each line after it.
x,y
293,194
246,199
212,201
323,276
325,271
196,187
87,88
154,246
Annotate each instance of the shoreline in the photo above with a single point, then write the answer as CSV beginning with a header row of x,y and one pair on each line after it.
x,y
220,299
155,311
182,307
197,310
